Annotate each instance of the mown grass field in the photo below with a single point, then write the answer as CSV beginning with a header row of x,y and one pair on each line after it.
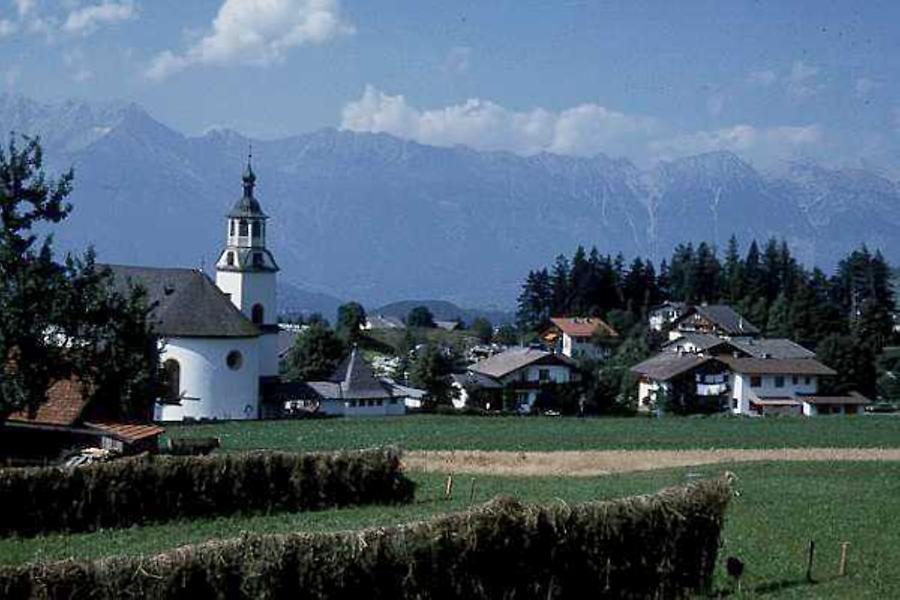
x,y
780,508
434,432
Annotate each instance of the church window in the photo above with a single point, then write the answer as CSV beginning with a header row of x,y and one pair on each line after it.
x,y
256,314
243,228
172,372
257,259
231,228
234,360
254,227
229,258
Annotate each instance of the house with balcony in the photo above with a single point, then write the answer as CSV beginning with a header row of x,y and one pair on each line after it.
x,y
580,337
758,378
720,320
523,375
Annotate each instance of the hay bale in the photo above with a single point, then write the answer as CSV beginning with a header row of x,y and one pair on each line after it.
x,y
659,546
160,488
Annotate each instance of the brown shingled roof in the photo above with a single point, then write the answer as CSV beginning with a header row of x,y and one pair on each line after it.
x,y
583,326
777,366
63,407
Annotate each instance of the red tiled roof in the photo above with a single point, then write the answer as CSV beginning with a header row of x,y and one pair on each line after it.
x,y
64,405
128,432
583,326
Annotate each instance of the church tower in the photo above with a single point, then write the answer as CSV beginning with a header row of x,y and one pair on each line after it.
x,y
246,271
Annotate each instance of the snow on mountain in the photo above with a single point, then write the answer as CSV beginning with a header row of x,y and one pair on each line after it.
x,y
376,218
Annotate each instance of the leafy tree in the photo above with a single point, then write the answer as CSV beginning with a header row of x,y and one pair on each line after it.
x,y
482,328
420,316
431,371
315,354
351,317
62,320
507,335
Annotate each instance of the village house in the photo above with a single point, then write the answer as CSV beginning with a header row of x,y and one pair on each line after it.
x,y
580,337
668,312
70,420
715,319
746,376
352,390
374,322
520,374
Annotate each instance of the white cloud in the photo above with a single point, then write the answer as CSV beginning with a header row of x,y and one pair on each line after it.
x,y
802,82
24,7
7,28
583,130
257,32
87,19
763,78
759,143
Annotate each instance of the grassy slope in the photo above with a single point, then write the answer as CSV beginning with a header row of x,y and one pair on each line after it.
x,y
430,432
781,507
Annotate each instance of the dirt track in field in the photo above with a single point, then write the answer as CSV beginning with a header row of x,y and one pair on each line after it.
x,y
605,462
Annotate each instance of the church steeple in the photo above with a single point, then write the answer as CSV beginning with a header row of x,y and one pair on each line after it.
x,y
245,249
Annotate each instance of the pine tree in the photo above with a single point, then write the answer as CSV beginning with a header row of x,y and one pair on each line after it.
x,y
560,284
779,318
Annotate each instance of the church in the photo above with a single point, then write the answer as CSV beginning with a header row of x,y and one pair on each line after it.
x,y
221,338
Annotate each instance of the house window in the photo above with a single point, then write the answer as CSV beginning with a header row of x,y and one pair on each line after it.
x,y
544,374
393,401
352,403
795,380
808,380
256,314
172,371
756,381
243,228
234,360
229,259
734,403
779,381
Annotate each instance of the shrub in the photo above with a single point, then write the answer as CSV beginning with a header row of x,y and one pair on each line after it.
x,y
660,546
160,488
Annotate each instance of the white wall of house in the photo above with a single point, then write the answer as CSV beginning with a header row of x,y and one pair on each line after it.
x,y
211,389
791,386
578,347
648,390
537,373
379,407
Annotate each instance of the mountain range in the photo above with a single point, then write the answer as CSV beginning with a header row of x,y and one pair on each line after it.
x,y
378,219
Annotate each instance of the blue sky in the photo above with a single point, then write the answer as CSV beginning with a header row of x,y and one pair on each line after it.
x,y
772,81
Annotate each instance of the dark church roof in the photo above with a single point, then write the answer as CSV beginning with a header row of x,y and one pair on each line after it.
x,y
188,303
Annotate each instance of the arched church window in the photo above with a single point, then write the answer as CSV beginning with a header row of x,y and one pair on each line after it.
x,y
242,230
231,227
234,360
256,314
172,371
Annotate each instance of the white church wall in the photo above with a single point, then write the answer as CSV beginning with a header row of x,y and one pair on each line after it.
x,y
210,388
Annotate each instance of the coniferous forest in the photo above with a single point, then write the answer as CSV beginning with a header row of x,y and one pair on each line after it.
x,y
846,316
